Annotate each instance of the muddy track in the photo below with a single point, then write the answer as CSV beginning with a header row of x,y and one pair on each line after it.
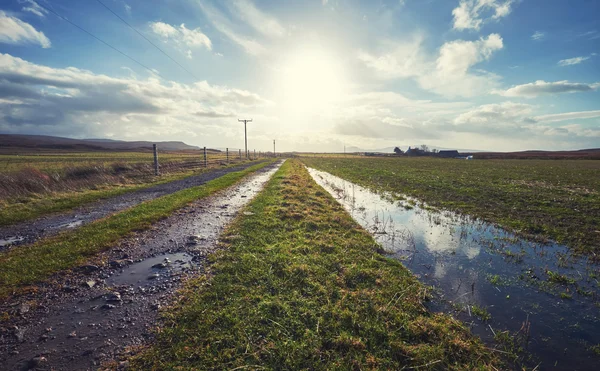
x,y
30,231
100,311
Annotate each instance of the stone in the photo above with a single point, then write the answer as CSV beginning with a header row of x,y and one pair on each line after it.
x,y
36,361
72,335
90,284
160,266
153,276
113,297
89,268
107,306
23,308
19,334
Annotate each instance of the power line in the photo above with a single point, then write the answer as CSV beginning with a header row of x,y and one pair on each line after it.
x,y
102,41
148,40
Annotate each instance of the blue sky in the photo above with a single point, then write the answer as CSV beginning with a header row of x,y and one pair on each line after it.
x,y
314,74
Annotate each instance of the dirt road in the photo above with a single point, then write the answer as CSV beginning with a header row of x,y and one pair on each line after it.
x,y
30,231
98,312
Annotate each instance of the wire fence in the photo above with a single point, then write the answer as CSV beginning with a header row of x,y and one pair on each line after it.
x,y
38,173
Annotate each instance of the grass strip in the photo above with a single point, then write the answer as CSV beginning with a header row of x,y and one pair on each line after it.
x,y
300,285
26,265
32,207
556,199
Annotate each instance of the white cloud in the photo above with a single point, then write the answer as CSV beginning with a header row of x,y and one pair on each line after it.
x,y
538,35
581,115
572,61
541,87
402,59
263,23
450,74
223,25
15,31
33,7
495,114
68,100
181,35
471,14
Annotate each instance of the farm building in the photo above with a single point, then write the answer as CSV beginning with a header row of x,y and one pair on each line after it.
x,y
449,154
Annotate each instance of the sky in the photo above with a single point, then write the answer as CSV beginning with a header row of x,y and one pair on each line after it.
x,y
315,75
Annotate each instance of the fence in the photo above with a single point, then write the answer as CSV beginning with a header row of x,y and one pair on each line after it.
x,y
37,172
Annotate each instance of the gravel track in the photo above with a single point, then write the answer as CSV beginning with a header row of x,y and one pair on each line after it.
x,y
30,231
68,325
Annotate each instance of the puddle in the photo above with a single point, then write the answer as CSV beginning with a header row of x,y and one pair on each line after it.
x,y
73,224
537,291
10,240
151,270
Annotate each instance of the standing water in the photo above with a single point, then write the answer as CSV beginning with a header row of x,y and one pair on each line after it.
x,y
512,292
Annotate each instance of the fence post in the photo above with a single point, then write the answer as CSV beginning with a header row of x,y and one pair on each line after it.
x,y
227,154
155,159
240,154
254,155
205,163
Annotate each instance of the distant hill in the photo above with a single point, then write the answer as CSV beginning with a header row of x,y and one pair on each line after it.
x,y
591,154
42,142
404,148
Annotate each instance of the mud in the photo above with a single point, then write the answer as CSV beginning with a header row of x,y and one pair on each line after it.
x,y
100,312
30,231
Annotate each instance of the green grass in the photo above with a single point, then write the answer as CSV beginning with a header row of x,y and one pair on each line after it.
x,y
299,285
32,207
29,264
556,199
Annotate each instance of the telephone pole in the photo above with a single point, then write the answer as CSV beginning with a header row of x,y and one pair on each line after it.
x,y
274,153
245,136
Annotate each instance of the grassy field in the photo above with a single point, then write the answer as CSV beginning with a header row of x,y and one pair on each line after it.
x,y
32,185
26,265
299,285
556,199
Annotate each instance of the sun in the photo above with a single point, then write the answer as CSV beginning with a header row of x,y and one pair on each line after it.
x,y
311,81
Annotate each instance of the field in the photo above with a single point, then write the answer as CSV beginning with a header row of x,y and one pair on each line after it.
x,y
555,199
299,285
33,184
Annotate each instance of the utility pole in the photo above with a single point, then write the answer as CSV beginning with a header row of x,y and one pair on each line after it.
x,y
245,135
274,153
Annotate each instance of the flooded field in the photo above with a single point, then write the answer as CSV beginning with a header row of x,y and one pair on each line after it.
x,y
514,293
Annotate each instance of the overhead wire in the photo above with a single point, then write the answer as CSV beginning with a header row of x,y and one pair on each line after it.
x,y
102,41
148,40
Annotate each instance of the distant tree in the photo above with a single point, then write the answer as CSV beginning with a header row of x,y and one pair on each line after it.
x,y
434,150
424,148
398,151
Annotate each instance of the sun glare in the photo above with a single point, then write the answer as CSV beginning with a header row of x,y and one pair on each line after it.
x,y
311,82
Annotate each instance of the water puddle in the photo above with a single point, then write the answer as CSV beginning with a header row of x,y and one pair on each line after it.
x,y
10,241
152,270
488,277
69,225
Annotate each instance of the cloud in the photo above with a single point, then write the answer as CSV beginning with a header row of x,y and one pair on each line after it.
x,y
223,25
71,101
15,31
471,14
33,7
385,128
541,87
261,22
572,61
568,116
538,35
495,114
449,75
181,35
